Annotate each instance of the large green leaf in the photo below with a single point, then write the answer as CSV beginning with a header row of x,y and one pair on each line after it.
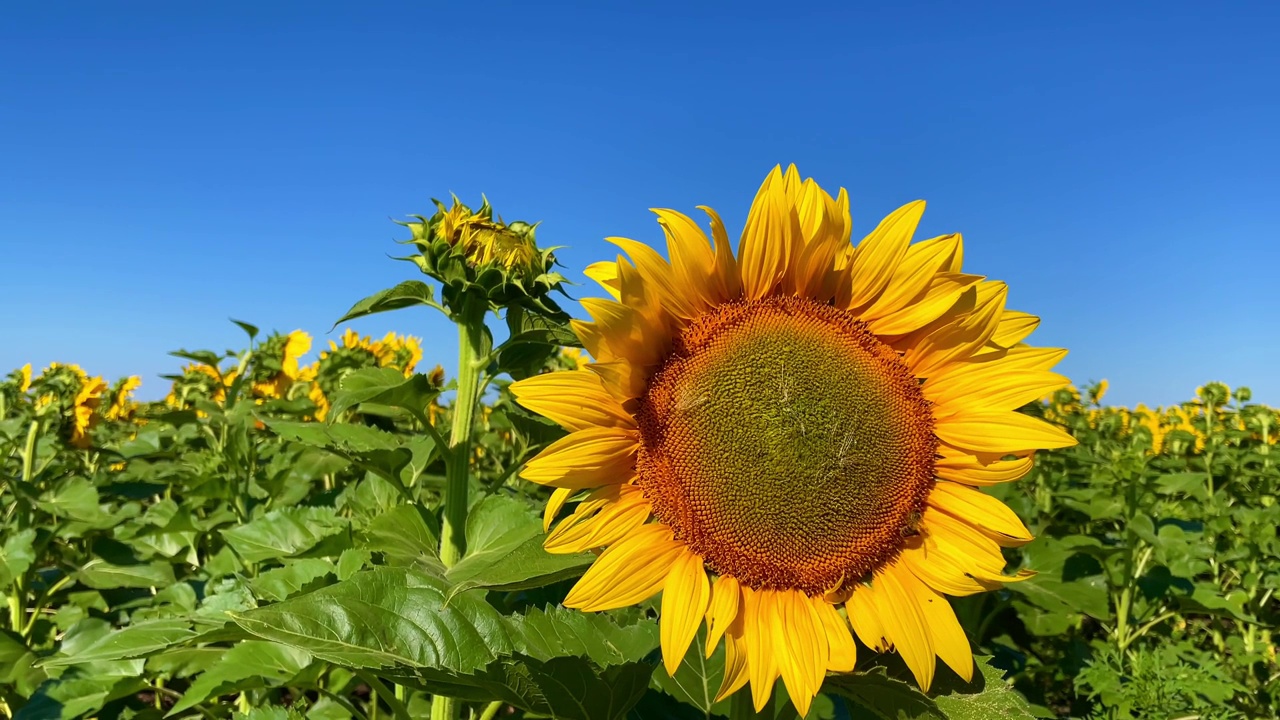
x,y
384,618
406,294
102,575
402,619
504,550
876,695
130,642
385,386
250,664
698,678
16,555
284,582
282,533
405,537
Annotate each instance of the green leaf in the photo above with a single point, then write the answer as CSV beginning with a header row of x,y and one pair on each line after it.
x,y
986,698
285,582
16,556
876,695
384,618
282,533
698,678
18,667
130,642
351,562
385,386
406,294
250,330
75,498
250,664
398,618
404,537
504,550
102,575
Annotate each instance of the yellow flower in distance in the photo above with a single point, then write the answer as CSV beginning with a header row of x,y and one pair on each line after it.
x,y
789,444
25,383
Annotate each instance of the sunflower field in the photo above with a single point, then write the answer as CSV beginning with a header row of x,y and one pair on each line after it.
x,y
810,478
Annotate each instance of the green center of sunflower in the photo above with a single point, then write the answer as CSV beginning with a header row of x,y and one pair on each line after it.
x,y
786,444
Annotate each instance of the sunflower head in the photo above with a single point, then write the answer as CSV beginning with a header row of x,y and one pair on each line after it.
x,y
69,397
274,367
469,251
199,382
402,352
788,442
121,405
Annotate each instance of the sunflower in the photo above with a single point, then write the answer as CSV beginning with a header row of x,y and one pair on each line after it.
x,y
787,444
122,406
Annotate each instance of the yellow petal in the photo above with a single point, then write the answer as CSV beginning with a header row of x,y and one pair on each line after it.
x,y
1000,432
622,379
770,238
877,256
946,635
684,601
944,291
606,274
658,277
762,661
727,279
959,340
800,643
736,667
1014,328
842,652
629,572
979,509
964,546
941,571
554,505
864,617
921,263
904,623
585,459
692,260
986,391
619,332
1022,357
726,595
971,470
576,399
592,527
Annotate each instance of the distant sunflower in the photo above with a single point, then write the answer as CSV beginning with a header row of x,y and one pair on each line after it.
x,y
786,443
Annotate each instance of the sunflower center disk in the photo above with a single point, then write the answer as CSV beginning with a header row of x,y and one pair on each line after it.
x,y
785,444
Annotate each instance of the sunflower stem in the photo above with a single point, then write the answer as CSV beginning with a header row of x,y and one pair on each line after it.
x,y
472,347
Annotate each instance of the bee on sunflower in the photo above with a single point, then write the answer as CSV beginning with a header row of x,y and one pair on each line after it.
x,y
789,443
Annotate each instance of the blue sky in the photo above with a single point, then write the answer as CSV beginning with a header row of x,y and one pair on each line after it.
x,y
167,166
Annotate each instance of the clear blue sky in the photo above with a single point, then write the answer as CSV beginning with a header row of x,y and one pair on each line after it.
x,y
165,166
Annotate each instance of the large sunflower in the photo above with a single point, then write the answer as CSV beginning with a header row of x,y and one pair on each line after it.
x,y
786,444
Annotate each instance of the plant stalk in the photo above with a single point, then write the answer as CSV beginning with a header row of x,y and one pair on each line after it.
x,y
453,541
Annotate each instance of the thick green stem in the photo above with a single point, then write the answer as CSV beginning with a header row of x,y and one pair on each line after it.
x,y
470,349
491,710
453,541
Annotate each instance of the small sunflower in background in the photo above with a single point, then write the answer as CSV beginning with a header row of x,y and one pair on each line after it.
x,y
67,391
275,363
120,404
355,352
788,443
199,381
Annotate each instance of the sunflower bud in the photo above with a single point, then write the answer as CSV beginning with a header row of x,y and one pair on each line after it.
x,y
471,250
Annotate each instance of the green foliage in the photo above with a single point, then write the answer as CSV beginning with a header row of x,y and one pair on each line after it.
x,y
265,545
